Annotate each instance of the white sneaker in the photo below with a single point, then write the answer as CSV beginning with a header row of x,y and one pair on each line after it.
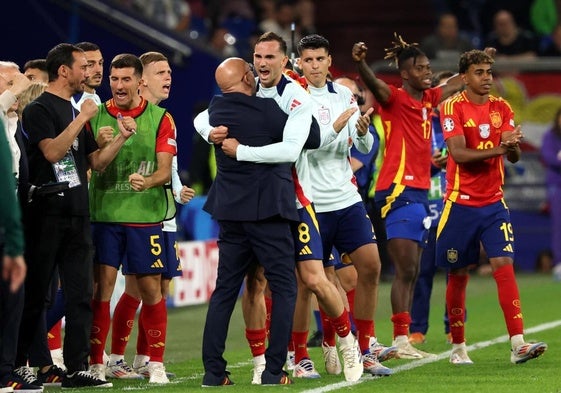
x,y
258,368
459,354
352,359
290,361
142,370
121,370
407,351
157,373
382,352
372,366
527,351
98,371
331,359
305,369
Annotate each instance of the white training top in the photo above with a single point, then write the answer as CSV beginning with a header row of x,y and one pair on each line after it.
x,y
295,102
176,185
333,183
85,96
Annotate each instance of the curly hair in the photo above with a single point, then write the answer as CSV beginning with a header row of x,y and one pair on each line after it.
x,y
401,51
473,57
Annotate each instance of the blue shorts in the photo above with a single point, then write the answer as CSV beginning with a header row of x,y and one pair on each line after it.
x,y
347,229
463,228
172,261
408,222
139,249
339,262
307,239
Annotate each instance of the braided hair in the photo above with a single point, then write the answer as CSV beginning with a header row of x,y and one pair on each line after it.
x,y
401,51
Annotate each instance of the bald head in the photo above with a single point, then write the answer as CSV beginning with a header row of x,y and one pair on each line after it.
x,y
234,75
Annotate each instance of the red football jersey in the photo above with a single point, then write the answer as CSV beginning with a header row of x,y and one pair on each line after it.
x,y
407,128
478,183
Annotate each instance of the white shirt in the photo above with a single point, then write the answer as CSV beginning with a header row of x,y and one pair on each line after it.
x,y
333,184
295,102
85,96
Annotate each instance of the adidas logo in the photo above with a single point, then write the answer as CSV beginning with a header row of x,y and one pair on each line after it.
x,y
469,123
508,248
157,265
305,251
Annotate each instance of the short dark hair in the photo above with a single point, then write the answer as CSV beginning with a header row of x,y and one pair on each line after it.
x,y
313,41
270,36
40,64
61,54
126,60
87,46
474,56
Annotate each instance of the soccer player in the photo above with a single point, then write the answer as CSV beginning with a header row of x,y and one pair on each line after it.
x,y
270,59
128,206
341,214
479,131
404,179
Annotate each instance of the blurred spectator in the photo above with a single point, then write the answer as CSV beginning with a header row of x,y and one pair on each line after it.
x,y
551,45
551,156
510,40
543,16
172,14
446,42
221,10
306,11
281,23
221,41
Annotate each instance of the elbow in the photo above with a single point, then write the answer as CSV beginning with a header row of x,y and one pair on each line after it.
x,y
292,156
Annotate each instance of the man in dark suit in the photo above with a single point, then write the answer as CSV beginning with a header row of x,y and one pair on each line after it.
x,y
255,208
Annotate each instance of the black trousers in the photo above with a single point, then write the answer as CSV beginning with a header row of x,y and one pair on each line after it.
x,y
65,242
241,244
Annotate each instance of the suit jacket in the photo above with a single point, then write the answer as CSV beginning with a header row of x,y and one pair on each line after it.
x,y
246,191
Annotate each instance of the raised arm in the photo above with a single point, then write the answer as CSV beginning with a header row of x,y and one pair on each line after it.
x,y
377,86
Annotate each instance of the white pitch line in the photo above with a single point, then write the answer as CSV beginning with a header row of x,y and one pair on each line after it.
x,y
443,355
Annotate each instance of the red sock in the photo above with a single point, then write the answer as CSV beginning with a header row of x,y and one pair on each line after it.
x,y
364,330
342,324
509,299
256,340
456,306
123,322
351,300
268,307
154,320
401,322
100,330
54,337
142,347
328,329
300,348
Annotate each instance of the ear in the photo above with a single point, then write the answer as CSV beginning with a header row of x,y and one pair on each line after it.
x,y
404,75
62,71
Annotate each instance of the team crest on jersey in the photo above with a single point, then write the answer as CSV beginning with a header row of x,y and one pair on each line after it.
x,y
452,255
448,124
323,116
496,119
484,130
